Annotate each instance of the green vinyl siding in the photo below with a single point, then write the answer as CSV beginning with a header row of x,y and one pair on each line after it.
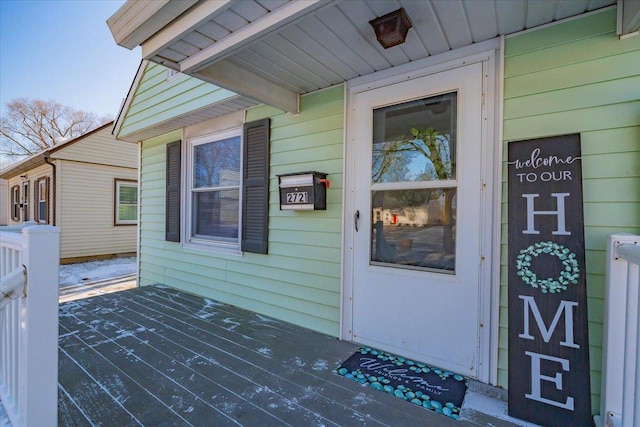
x,y
579,77
157,100
299,279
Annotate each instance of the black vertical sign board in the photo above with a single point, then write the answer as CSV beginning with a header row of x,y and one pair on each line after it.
x,y
548,337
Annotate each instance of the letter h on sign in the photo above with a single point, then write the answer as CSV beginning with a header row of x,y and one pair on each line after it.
x,y
560,213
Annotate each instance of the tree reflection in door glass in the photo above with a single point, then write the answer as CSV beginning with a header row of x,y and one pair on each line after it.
x,y
415,141
414,228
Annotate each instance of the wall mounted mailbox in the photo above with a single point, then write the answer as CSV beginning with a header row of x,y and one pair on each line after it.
x,y
303,191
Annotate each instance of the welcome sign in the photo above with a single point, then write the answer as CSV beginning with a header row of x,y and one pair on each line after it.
x,y
548,334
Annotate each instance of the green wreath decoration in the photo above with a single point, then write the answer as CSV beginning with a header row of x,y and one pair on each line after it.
x,y
569,275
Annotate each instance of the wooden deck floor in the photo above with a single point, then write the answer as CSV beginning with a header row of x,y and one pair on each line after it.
x,y
155,356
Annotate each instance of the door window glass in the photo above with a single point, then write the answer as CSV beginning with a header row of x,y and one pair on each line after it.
x,y
415,141
413,184
216,190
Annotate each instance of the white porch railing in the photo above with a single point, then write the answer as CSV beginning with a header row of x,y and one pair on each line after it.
x,y
29,261
620,403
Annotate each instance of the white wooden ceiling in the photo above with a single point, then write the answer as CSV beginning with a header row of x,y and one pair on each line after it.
x,y
299,47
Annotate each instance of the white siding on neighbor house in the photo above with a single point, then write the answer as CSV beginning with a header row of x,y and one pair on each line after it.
x,y
4,202
32,176
86,211
100,148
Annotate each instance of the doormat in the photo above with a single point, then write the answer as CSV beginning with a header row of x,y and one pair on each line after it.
x,y
427,386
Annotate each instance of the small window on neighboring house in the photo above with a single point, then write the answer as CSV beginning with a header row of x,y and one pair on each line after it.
x,y
15,203
41,208
213,184
25,201
126,202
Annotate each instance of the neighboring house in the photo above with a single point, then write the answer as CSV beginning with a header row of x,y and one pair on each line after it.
x,y
306,87
87,186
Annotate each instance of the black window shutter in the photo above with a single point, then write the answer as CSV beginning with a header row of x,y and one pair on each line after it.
x,y
15,203
36,193
172,218
47,199
25,201
255,200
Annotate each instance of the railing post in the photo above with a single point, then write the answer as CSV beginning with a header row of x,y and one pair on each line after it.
x,y
636,382
620,331
39,338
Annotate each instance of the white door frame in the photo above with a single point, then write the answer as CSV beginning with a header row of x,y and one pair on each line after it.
x,y
491,166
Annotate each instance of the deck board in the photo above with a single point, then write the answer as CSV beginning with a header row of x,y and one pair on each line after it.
x,y
157,356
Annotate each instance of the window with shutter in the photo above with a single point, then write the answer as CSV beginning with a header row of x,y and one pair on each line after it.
x,y
255,201
226,206
172,218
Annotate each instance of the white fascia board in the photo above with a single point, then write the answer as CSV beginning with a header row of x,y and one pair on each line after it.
x,y
185,24
251,32
126,103
243,82
138,20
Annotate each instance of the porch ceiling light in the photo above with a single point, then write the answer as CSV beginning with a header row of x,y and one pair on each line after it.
x,y
391,29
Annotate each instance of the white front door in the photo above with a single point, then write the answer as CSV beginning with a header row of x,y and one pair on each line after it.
x,y
417,222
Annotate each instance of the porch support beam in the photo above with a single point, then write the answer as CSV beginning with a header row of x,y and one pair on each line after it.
x,y
259,28
249,84
186,23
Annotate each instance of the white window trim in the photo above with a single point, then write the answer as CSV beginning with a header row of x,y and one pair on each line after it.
x,y
126,183
189,241
42,182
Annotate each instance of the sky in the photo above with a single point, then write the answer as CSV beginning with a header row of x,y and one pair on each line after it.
x,y
62,50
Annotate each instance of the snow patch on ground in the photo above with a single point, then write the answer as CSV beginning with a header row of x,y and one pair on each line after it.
x,y
233,323
362,399
264,319
320,365
73,274
265,351
207,311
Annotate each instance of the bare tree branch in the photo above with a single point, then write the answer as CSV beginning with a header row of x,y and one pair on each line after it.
x,y
31,126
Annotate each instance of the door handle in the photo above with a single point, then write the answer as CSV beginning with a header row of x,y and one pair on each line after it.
x,y
356,219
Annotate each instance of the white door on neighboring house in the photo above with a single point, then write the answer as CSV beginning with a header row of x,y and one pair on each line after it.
x,y
416,227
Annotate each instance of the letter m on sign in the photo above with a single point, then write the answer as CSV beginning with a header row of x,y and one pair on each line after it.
x,y
566,307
